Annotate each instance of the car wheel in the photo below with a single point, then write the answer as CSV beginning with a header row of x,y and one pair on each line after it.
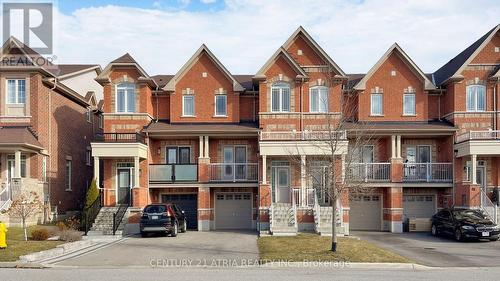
x,y
175,231
144,234
458,235
434,230
184,227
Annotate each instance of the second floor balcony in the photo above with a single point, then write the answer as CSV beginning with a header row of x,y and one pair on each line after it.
x,y
478,135
120,138
370,172
302,135
234,172
411,172
485,142
171,173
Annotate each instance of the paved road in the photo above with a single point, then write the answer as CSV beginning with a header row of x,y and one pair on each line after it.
x,y
425,249
191,248
241,274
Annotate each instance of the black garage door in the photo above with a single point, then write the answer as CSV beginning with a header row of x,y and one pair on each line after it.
x,y
188,203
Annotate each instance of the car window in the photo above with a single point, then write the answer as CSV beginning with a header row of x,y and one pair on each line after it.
x,y
445,214
154,209
469,214
177,209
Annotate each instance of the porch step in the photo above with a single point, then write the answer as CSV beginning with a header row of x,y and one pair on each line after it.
x,y
283,219
103,224
324,221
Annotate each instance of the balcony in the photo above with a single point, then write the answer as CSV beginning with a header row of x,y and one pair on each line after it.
x,y
303,135
172,173
120,138
484,142
234,172
427,172
370,172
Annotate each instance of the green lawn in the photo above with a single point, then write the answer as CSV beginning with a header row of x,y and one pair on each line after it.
x,y
312,247
16,246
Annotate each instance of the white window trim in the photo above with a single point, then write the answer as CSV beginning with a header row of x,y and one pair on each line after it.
x,y
126,111
327,99
194,112
16,91
381,105
215,106
280,105
69,174
88,156
414,113
475,99
101,121
89,115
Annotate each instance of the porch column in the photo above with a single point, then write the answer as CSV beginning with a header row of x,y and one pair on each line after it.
x,y
264,169
303,183
136,172
17,164
398,146
474,168
205,148
201,147
96,171
393,146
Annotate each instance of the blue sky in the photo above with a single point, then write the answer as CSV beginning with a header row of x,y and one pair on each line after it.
x,y
163,34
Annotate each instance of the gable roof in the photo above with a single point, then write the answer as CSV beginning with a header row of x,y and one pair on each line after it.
x,y
361,85
281,52
454,67
125,60
13,43
170,86
301,31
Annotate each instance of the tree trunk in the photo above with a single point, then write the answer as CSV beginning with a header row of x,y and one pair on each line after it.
x,y
334,225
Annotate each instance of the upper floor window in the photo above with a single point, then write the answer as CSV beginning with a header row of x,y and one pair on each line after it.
x,y
376,104
220,105
280,97
68,174
318,99
476,98
88,115
125,97
16,91
409,104
187,105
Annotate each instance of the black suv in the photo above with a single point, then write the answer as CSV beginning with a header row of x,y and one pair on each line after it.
x,y
464,224
166,218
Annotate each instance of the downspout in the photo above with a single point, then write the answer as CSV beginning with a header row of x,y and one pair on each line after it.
x,y
495,114
49,122
157,102
301,105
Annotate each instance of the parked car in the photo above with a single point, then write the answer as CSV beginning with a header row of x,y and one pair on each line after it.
x,y
464,224
162,218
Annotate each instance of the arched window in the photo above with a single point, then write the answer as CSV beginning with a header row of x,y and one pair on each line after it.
x,y
125,98
318,99
280,97
476,98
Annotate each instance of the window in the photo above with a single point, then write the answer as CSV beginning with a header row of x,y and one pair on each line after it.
x,y
409,104
89,115
188,106
16,91
367,153
280,97
220,105
44,168
476,98
101,121
11,160
318,99
376,104
88,157
125,97
178,155
68,175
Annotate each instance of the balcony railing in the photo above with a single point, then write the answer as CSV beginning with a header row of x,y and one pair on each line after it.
x,y
478,135
234,172
120,137
370,172
171,173
303,135
428,172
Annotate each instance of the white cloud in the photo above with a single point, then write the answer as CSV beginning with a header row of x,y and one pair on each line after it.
x,y
245,33
208,1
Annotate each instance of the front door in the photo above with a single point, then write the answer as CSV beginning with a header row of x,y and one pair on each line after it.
x,y
124,185
283,184
480,177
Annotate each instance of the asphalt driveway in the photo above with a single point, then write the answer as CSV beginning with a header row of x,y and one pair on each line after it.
x,y
426,249
190,248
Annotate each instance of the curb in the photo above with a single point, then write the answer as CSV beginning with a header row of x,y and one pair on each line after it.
x,y
57,251
30,265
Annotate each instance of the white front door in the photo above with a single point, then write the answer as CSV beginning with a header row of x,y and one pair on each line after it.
x,y
283,184
227,170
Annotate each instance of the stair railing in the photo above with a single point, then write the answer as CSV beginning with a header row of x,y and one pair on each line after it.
x,y
118,217
90,214
489,207
317,210
294,209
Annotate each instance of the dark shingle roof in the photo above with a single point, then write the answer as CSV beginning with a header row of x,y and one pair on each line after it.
x,y
245,80
64,69
18,136
196,128
127,58
353,79
162,80
447,70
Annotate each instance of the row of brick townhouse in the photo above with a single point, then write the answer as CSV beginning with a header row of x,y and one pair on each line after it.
x,y
48,116
222,146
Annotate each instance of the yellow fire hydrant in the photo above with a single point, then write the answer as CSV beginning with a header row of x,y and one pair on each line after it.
x,y
3,236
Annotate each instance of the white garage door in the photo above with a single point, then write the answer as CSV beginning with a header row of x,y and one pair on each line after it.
x,y
365,212
419,206
233,211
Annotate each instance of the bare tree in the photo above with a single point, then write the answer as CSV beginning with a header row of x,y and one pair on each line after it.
x,y
25,206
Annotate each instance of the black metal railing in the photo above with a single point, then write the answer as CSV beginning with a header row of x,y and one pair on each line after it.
x,y
90,214
120,137
118,217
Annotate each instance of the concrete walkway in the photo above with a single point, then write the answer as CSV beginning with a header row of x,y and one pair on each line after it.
x,y
191,248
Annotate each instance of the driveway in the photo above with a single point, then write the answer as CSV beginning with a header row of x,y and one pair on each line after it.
x,y
190,248
426,249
